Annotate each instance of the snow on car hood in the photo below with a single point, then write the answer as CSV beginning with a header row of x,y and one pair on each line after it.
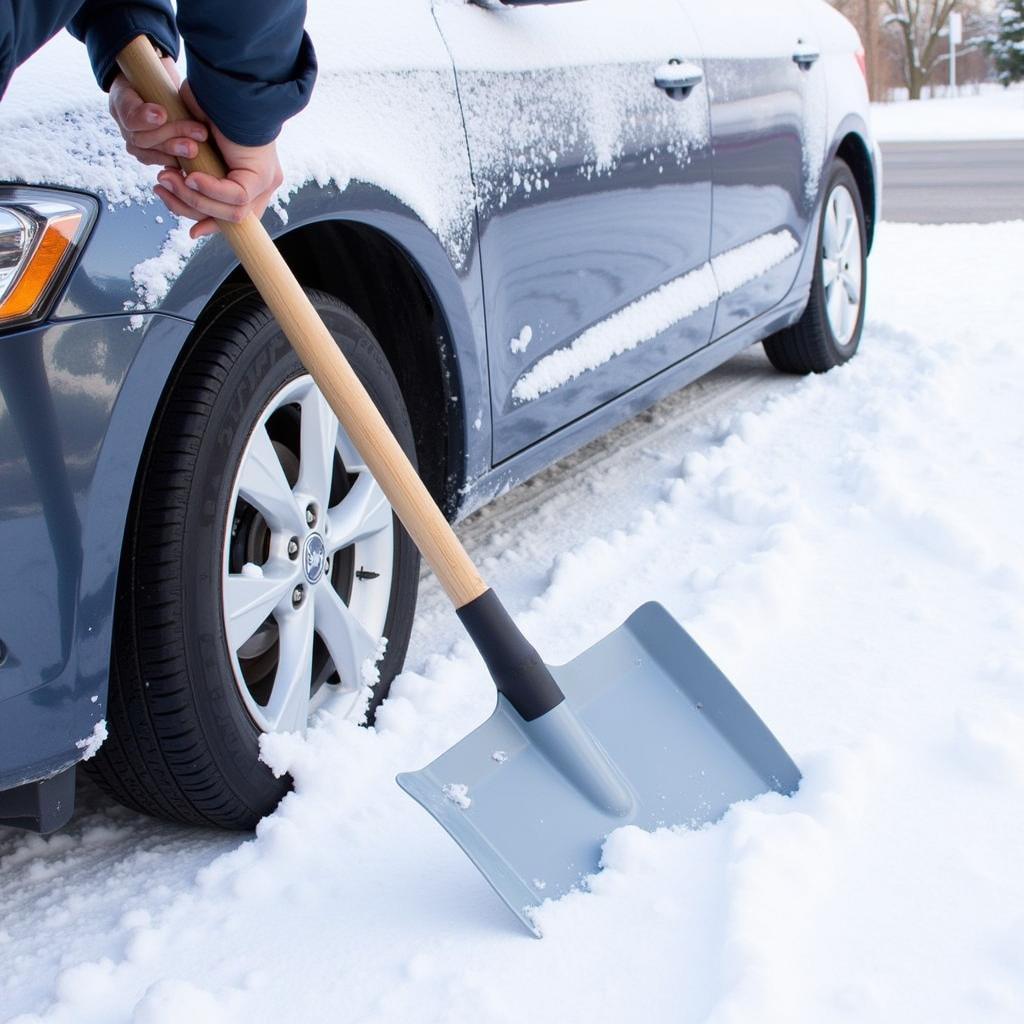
x,y
385,111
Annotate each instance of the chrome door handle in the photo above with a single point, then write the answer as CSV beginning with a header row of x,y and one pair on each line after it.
x,y
678,78
806,57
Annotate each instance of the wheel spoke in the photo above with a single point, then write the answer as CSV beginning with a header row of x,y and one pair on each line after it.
x,y
363,512
830,271
347,641
836,300
831,233
852,288
288,707
263,484
848,316
849,230
350,456
844,205
319,440
249,599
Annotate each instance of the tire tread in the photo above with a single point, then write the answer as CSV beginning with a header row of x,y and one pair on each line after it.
x,y
808,346
146,767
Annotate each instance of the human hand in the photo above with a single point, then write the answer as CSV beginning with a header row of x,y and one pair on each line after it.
x,y
254,175
148,135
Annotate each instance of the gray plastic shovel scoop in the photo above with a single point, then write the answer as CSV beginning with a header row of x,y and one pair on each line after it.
x,y
650,733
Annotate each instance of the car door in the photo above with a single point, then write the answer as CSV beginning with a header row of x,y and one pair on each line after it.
x,y
594,200
768,122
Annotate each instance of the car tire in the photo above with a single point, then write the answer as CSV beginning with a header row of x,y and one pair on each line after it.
x,y
184,713
829,332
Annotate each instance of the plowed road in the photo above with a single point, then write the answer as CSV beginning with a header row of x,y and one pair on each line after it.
x,y
953,182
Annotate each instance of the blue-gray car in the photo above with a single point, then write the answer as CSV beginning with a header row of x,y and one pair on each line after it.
x,y
523,223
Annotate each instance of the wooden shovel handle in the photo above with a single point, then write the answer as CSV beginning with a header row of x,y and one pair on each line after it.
x,y
319,353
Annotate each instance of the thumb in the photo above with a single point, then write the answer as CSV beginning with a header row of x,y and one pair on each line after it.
x,y
250,181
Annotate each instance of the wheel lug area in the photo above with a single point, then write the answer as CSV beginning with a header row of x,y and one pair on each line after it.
x,y
311,516
298,596
293,548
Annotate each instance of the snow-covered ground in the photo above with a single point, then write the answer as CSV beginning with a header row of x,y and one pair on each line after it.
x,y
846,547
991,113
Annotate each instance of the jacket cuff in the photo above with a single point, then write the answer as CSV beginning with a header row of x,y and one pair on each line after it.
x,y
251,113
108,35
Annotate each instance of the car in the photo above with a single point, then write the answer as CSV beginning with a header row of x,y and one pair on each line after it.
x,y
523,223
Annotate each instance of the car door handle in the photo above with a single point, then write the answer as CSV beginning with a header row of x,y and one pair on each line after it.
x,y
806,57
678,78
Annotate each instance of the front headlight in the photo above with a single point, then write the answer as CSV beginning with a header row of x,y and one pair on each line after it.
x,y
40,235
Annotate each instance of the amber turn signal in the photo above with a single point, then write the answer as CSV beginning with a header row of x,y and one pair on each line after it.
x,y
43,267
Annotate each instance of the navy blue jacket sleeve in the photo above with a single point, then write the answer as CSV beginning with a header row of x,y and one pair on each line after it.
x,y
251,66
104,25
107,26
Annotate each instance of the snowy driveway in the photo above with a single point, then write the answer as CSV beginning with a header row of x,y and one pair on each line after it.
x,y
846,547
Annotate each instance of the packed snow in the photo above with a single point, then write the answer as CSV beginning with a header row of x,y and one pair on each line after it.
x,y
846,547
991,113
650,315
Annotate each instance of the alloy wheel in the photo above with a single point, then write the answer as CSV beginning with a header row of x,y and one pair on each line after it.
x,y
842,264
307,564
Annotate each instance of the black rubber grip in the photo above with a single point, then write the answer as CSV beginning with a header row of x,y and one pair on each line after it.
x,y
516,668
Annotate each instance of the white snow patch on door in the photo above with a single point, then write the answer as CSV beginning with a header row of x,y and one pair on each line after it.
x,y
654,313
738,267
644,319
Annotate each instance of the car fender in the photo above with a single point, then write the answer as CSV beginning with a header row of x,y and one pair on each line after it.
x,y
150,337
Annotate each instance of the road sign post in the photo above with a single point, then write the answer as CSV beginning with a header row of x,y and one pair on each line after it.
x,y
956,36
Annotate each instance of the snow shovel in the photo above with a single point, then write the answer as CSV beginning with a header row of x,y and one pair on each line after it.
x,y
641,729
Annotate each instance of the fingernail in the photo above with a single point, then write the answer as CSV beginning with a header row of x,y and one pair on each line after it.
x,y
191,184
183,149
199,135
153,117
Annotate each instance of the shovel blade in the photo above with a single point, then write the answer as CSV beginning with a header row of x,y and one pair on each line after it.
x,y
675,732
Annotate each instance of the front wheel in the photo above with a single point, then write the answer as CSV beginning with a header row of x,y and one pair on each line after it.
x,y
828,333
262,567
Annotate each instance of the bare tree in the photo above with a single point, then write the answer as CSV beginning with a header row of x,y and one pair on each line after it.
x,y
905,41
919,26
